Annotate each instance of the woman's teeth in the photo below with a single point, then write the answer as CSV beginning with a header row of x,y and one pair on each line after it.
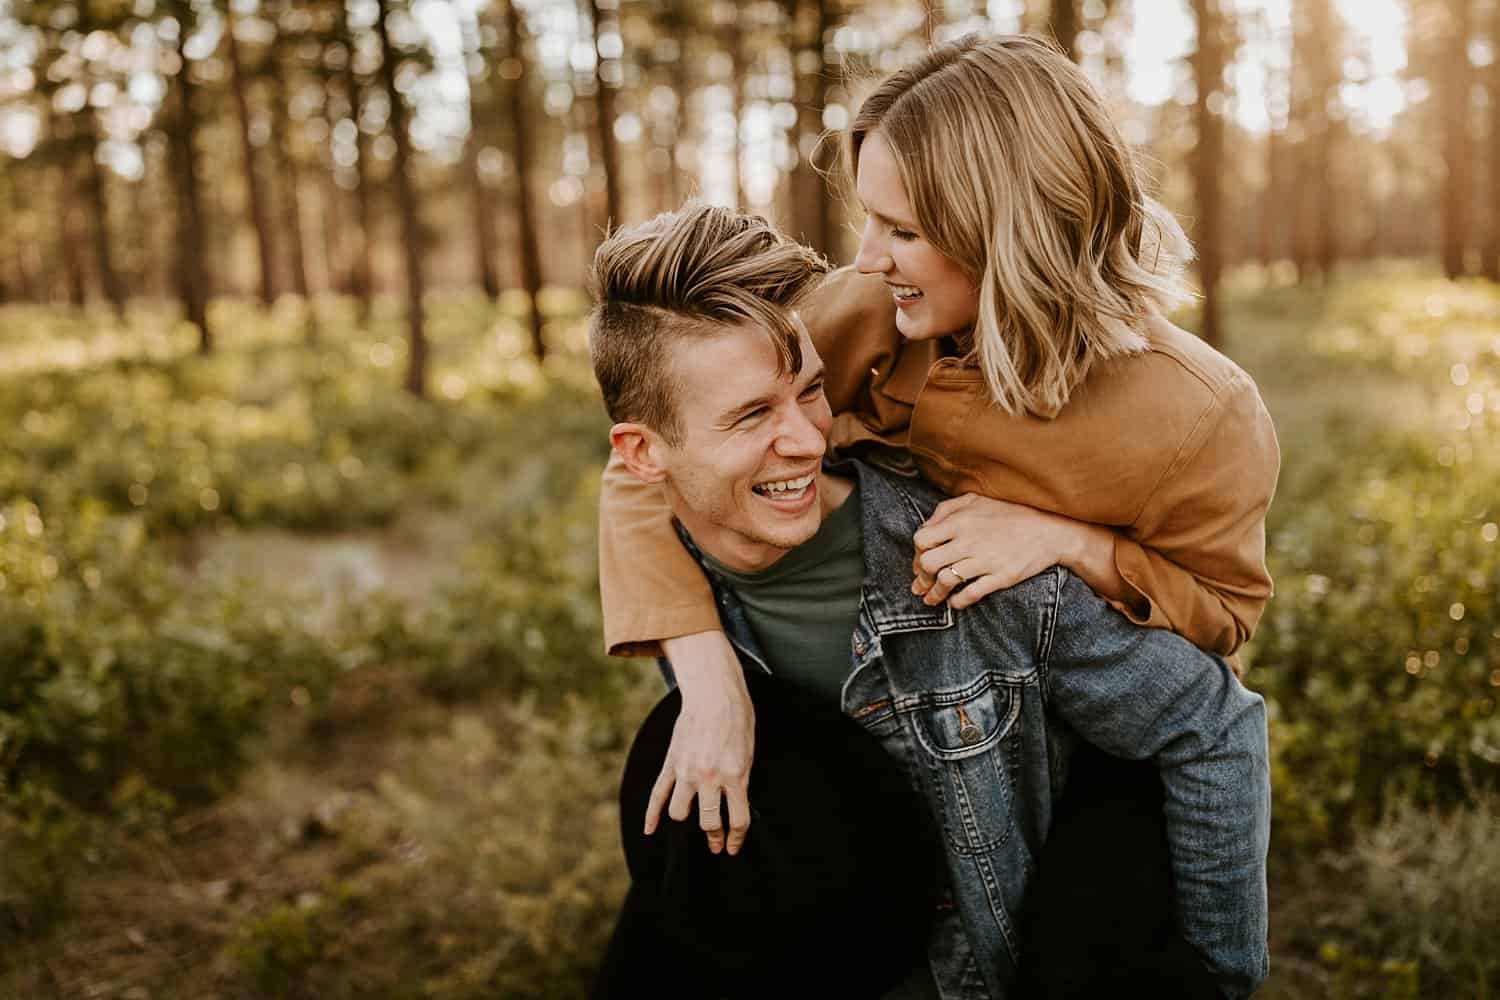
x,y
906,293
784,489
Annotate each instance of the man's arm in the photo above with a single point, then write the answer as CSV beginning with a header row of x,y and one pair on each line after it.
x,y
1148,693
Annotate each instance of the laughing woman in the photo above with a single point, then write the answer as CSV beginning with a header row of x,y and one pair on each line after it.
x,y
1003,331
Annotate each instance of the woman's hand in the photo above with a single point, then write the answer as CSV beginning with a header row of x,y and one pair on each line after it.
x,y
973,546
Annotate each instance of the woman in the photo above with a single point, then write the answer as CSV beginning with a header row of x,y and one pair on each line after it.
x,y
1003,329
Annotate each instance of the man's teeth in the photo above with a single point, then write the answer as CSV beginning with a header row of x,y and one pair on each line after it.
x,y
906,291
784,486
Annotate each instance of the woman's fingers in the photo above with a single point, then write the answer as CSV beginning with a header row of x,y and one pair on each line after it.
x,y
945,581
934,533
976,590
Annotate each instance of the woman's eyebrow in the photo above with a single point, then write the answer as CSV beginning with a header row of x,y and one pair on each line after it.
x,y
882,217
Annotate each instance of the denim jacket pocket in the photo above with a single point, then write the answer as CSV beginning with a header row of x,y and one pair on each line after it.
x,y
967,735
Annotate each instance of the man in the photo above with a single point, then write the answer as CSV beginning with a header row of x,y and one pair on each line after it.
x,y
716,394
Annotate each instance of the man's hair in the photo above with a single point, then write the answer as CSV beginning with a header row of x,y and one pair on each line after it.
x,y
694,272
1016,172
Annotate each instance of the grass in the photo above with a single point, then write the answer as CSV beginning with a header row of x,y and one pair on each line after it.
x,y
427,809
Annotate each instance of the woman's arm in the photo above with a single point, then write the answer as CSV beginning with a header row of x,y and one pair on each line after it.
x,y
649,586
1192,560
1195,557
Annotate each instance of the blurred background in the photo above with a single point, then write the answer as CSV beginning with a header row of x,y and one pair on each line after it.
x,y
301,689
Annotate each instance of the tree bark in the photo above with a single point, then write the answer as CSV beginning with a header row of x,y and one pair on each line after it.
x,y
67,235
1208,155
813,201
531,261
290,178
736,43
605,123
98,205
1455,82
406,199
192,281
1491,262
259,215
362,274
1064,24
485,237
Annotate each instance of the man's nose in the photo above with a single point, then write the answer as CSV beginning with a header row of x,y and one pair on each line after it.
x,y
873,257
800,436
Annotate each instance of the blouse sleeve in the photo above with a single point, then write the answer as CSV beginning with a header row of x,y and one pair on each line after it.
x,y
1195,556
650,588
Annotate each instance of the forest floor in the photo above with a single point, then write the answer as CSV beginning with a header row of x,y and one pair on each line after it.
x,y
415,841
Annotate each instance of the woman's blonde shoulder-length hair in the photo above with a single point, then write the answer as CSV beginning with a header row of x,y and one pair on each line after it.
x,y
1015,171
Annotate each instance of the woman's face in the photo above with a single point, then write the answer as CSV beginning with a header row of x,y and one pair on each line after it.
x,y
933,295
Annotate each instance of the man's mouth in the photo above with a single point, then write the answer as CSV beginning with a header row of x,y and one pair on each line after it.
x,y
906,293
784,489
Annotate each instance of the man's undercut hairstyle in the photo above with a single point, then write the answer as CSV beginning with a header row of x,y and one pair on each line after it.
x,y
695,272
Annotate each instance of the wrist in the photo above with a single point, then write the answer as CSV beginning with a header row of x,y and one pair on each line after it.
x,y
703,663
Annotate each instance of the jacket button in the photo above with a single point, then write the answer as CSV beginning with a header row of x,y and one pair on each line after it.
x,y
969,733
859,649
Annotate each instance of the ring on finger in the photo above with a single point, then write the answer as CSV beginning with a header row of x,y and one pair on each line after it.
x,y
957,576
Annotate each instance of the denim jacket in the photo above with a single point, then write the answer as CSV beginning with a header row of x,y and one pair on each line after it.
x,y
980,707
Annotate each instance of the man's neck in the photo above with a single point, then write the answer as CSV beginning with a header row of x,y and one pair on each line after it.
x,y
746,555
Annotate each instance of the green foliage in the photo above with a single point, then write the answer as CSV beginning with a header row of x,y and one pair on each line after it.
x,y
1379,652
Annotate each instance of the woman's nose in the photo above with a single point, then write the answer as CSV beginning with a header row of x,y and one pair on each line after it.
x,y
873,257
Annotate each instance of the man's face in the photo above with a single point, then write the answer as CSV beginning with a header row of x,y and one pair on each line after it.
x,y
744,478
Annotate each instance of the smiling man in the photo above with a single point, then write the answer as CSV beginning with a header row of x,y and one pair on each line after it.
x,y
717,396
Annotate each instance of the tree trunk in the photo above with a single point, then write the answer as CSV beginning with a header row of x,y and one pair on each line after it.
x,y
192,281
736,43
330,215
682,87
1064,24
67,235
485,237
812,200
608,151
1208,155
531,261
259,216
290,179
98,206
1491,262
406,199
1455,111
363,271
1270,200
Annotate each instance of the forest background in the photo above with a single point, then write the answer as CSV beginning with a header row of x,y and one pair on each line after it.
x,y
301,687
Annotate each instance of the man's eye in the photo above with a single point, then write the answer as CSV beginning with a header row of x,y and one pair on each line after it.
x,y
751,417
813,391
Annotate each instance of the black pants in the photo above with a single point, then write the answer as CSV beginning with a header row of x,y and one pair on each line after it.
x,y
1101,911
1100,917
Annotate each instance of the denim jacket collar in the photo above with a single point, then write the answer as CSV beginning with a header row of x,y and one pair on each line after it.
x,y
892,511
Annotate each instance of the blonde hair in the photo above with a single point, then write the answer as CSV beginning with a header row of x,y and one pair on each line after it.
x,y
693,272
1015,171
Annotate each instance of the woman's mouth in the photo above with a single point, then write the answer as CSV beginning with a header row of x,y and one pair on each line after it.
x,y
905,294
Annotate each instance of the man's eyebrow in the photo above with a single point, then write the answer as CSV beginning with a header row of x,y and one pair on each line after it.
x,y
749,406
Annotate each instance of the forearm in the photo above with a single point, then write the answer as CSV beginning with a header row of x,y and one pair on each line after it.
x,y
704,664
1092,560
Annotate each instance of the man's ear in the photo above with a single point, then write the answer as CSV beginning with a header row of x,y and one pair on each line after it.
x,y
641,449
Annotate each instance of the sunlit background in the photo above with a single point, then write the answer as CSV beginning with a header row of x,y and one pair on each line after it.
x,y
302,691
